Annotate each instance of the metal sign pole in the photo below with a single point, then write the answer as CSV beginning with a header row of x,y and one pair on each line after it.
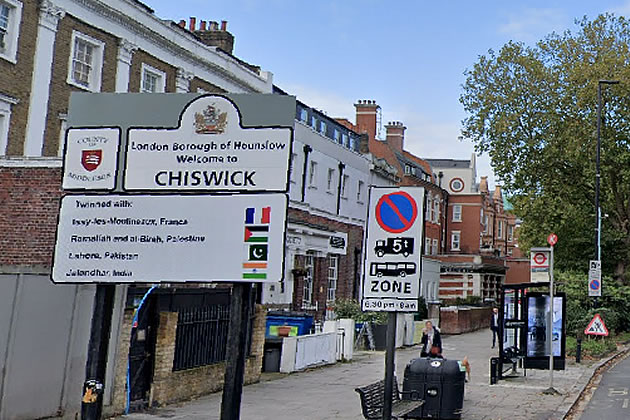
x,y
551,390
235,352
92,401
390,356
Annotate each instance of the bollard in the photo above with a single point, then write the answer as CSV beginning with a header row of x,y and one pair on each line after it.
x,y
578,351
494,370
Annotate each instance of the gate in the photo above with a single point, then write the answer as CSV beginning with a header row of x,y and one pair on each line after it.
x,y
142,355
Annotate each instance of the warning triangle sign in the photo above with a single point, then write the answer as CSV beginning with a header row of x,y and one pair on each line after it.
x,y
596,326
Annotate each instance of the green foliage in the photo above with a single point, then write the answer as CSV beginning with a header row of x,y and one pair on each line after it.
x,y
533,109
350,308
592,347
423,311
614,305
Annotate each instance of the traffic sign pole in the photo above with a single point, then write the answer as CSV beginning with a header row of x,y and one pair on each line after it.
x,y
552,239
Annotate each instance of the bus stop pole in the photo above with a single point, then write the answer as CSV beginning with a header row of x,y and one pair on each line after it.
x,y
550,324
390,356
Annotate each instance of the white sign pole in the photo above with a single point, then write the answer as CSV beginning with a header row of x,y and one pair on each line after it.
x,y
550,322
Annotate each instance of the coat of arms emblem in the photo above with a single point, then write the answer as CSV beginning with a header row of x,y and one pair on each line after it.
x,y
210,121
91,159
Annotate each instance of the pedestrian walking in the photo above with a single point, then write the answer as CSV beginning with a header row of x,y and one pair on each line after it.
x,y
494,325
431,341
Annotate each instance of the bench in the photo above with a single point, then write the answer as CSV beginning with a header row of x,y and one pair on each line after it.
x,y
372,397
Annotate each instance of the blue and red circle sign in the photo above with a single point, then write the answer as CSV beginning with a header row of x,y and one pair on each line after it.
x,y
595,284
396,212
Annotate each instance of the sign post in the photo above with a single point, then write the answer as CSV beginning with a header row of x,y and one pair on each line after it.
x,y
595,278
552,239
391,278
171,228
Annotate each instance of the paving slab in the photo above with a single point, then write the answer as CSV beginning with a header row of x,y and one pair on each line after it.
x,y
328,392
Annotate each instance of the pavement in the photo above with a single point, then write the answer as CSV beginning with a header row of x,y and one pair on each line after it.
x,y
328,392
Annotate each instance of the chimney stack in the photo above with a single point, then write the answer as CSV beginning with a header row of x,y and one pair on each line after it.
x,y
395,136
366,113
483,185
182,24
211,35
193,22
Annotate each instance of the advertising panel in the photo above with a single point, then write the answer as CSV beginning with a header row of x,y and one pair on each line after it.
x,y
538,311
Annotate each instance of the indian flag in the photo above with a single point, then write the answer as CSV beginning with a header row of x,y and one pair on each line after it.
x,y
254,270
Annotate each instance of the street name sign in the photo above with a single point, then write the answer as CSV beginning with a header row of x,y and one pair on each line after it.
x,y
595,278
393,245
167,238
596,327
539,265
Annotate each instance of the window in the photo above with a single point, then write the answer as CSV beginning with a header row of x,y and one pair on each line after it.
x,y
322,128
337,135
455,240
434,248
312,177
500,230
345,140
86,62
303,115
510,233
436,207
456,185
344,183
292,163
457,213
333,261
427,246
307,297
481,216
485,223
153,80
432,206
10,17
408,170
331,180
313,122
63,125
427,215
509,252
5,116
360,187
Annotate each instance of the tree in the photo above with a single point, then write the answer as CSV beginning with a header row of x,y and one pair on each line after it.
x,y
533,109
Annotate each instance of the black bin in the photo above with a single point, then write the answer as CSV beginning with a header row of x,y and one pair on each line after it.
x,y
440,383
272,360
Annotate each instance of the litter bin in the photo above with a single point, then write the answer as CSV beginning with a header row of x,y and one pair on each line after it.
x,y
494,370
272,360
440,383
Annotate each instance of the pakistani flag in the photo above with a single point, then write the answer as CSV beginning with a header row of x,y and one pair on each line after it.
x,y
258,252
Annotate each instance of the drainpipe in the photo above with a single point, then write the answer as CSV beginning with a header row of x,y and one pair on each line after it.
x,y
341,168
307,149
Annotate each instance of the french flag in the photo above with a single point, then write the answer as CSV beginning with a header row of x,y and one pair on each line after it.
x,y
250,215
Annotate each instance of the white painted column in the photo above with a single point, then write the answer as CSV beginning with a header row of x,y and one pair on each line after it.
x,y
123,64
182,81
49,18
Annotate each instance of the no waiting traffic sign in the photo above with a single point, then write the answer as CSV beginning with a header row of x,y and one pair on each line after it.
x,y
396,212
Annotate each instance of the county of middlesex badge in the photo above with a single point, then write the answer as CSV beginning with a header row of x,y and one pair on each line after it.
x,y
90,159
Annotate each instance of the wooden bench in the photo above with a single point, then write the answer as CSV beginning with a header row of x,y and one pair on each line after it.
x,y
372,397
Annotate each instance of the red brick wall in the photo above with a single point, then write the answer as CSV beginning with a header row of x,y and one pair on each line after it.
x,y
469,227
462,320
29,204
518,271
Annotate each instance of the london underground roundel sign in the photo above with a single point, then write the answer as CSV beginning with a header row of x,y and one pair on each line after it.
x,y
396,212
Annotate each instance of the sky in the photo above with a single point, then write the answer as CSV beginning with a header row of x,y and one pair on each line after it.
x,y
408,56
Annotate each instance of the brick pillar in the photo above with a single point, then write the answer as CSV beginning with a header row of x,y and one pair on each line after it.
x,y
164,356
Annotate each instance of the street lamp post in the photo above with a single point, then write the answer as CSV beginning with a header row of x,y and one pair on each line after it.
x,y
598,215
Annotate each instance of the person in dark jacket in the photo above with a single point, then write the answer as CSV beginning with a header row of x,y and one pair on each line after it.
x,y
494,326
431,341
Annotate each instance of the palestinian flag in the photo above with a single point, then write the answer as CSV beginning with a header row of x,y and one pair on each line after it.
x,y
256,234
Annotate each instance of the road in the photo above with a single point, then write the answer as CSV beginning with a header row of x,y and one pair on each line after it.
x,y
611,399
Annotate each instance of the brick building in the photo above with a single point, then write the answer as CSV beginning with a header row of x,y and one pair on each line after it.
x,y
410,170
481,234
49,49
